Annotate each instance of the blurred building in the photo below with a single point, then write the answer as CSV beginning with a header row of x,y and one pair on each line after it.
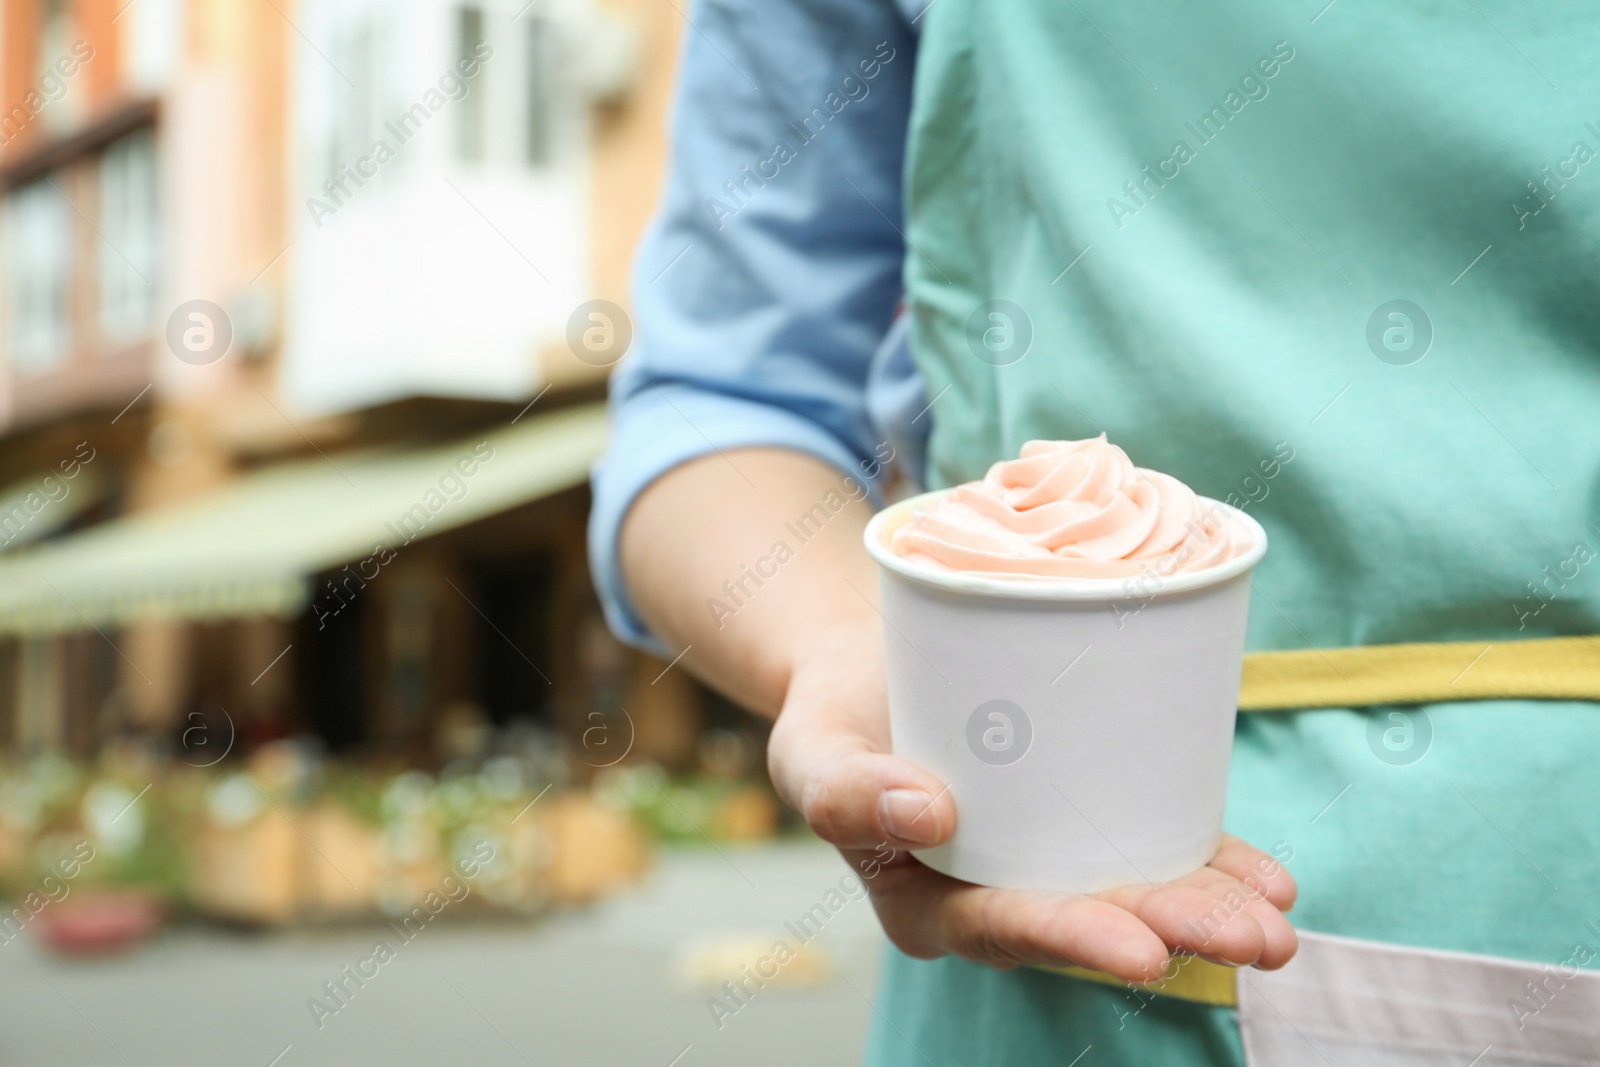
x,y
305,314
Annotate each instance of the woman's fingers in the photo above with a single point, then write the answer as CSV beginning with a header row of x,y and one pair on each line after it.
x,y
1214,915
1128,932
1190,918
829,760
851,795
864,799
1257,870
1280,941
927,914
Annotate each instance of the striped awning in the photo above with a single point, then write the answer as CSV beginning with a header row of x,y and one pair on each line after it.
x,y
253,546
38,506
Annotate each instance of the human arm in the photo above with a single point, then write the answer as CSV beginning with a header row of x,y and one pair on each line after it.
x,y
741,408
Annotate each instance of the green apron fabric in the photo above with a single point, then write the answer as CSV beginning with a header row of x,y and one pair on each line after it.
x,y
1219,317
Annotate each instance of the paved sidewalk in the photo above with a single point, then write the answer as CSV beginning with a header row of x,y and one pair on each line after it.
x,y
594,987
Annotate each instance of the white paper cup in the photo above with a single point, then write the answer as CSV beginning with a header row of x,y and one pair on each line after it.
x,y
1084,726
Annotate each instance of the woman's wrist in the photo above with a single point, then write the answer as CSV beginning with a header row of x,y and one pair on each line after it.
x,y
716,568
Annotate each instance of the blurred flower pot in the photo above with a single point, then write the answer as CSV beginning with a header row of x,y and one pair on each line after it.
x,y
96,922
14,842
341,868
749,813
594,848
248,872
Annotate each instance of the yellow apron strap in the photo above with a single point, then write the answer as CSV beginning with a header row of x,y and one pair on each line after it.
x,y
1547,668
1195,979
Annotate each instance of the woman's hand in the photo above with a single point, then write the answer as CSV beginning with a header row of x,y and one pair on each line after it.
x,y
829,757
805,644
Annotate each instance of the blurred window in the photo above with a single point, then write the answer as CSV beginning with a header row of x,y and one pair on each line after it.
x,y
38,269
128,225
470,119
541,89
54,41
357,95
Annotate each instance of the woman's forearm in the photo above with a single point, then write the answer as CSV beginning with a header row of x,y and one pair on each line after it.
x,y
750,559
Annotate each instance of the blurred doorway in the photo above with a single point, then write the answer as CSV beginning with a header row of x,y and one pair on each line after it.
x,y
334,679
514,638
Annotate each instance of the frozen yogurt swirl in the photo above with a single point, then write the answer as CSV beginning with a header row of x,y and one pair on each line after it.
x,y
1072,509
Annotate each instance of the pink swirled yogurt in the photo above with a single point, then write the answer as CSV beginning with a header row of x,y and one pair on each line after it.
x,y
1072,509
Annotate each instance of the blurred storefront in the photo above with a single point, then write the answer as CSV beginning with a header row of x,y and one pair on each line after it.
x,y
307,311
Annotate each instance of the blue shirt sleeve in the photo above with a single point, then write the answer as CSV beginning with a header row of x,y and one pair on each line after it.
x,y
772,274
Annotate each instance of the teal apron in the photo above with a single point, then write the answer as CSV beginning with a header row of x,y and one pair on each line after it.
x,y
1194,223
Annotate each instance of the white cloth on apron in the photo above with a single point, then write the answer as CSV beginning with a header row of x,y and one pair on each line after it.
x,y
1347,1003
